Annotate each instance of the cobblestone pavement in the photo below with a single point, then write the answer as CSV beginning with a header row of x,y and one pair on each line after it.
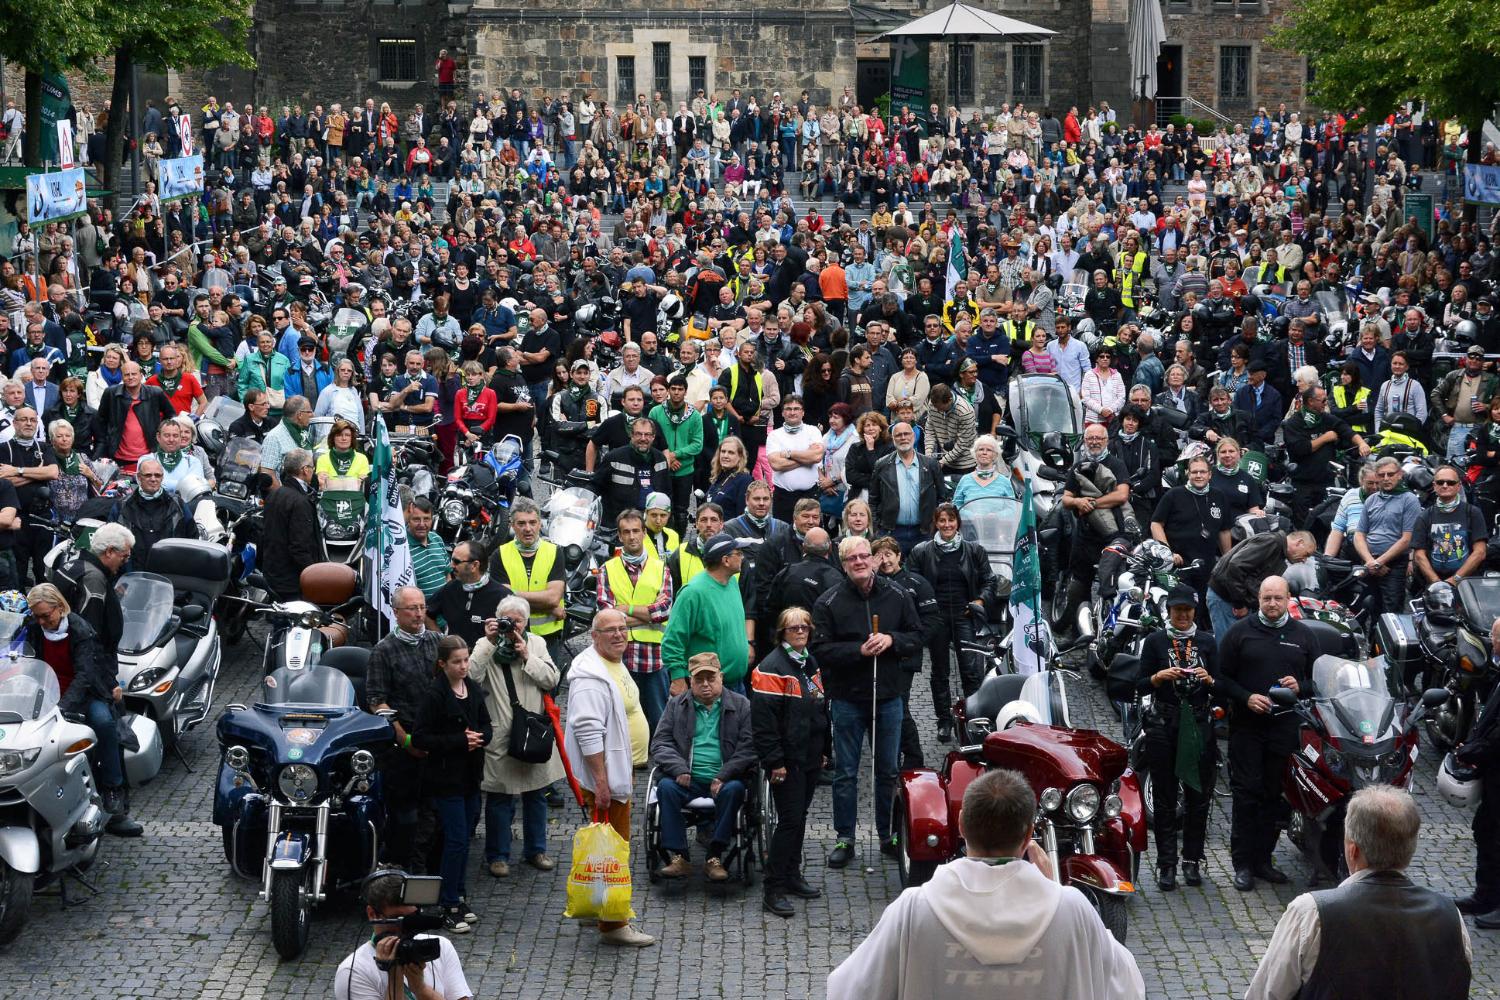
x,y
172,922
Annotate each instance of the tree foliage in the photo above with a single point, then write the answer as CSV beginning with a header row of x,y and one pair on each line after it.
x,y
1378,54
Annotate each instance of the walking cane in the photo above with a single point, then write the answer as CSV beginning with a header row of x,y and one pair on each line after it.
x,y
874,754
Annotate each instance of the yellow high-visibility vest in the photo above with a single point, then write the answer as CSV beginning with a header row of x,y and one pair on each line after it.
x,y
518,579
644,592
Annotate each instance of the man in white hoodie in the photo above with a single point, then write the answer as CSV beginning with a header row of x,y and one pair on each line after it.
x,y
992,925
598,735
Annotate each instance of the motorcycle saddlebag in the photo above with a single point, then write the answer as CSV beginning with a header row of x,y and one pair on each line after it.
x,y
1123,674
1402,646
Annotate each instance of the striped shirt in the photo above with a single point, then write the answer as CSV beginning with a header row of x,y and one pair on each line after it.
x,y
430,563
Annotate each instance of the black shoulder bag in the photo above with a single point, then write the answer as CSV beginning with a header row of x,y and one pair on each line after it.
x,y
530,732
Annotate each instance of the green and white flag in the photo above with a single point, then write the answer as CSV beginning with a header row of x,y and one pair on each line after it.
x,y
958,265
1030,638
387,554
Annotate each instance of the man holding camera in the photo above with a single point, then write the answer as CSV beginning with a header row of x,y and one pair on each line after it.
x,y
397,961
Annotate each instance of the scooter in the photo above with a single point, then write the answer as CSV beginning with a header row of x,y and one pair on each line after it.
x,y
570,520
50,814
302,632
1354,734
298,798
169,653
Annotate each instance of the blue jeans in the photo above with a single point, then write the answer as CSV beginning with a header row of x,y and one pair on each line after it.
x,y
538,395
101,716
500,811
654,689
1220,613
851,724
672,798
1458,438
907,536
458,814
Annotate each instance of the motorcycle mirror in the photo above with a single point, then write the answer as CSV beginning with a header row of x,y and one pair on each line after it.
x,y
1283,696
1433,697
191,613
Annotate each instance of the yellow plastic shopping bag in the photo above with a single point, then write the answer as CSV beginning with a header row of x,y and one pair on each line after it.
x,y
599,884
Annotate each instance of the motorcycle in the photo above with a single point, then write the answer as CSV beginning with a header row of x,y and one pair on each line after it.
x,y
1090,818
212,429
50,816
1043,428
1131,605
297,798
169,655
570,520
476,501
1354,733
1452,651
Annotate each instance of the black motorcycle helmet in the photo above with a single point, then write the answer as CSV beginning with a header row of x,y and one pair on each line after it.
x,y
1247,525
1417,476
1440,601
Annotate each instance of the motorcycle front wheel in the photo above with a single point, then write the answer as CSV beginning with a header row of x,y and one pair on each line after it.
x,y
289,914
15,902
1114,911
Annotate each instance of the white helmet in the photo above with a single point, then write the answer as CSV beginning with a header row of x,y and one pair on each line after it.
x,y
672,307
510,303
1017,711
1458,784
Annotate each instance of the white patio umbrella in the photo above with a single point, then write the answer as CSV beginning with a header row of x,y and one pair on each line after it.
x,y
959,21
1147,33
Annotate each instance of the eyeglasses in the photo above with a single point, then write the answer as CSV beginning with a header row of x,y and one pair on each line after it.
x,y
1445,482
411,607
461,562
798,628
618,630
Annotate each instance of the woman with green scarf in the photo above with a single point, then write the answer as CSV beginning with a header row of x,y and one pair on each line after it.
x,y
265,368
72,406
1178,669
338,458
75,475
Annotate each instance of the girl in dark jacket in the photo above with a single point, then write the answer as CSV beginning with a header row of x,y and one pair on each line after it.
x,y
873,444
453,727
792,739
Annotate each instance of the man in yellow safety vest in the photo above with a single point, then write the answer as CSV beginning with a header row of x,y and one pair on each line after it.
x,y
533,569
636,583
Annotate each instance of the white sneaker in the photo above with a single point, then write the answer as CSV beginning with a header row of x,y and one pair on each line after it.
x,y
628,937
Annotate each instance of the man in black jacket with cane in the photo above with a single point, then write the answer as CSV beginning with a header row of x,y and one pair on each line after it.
x,y
863,629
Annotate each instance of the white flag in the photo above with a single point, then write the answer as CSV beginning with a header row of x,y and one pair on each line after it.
x,y
1030,637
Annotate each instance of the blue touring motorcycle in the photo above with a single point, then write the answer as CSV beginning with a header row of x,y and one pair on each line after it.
x,y
298,797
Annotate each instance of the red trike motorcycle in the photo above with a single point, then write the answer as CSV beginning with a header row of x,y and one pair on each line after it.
x,y
1090,817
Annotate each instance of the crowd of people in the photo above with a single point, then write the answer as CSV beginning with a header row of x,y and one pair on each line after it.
x,y
784,415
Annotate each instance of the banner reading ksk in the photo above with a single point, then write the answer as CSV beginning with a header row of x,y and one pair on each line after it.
x,y
62,194
181,178
1481,184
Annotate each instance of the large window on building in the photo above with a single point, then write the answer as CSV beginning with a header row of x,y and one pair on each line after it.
x,y
1234,74
961,76
1027,72
624,80
697,75
398,60
661,68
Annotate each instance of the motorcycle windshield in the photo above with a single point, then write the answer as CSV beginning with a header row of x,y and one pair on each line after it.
x,y
28,690
571,516
223,411
1362,705
316,686
505,456
1330,304
146,604
241,459
992,523
1043,691
1046,407
1479,597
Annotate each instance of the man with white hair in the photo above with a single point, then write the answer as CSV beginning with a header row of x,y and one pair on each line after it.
x,y
1420,932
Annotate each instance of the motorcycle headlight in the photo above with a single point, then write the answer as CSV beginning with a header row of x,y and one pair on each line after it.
x,y
341,532
146,678
1393,758
453,512
16,761
1113,806
362,762
298,783
572,554
1082,803
1051,799
237,757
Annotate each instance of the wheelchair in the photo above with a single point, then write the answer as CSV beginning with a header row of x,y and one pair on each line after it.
x,y
752,827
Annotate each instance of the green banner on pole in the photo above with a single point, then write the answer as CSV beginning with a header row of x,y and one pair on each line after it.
x,y
909,66
55,104
1418,207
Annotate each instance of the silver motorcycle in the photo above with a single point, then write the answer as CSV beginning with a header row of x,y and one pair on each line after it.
x,y
50,814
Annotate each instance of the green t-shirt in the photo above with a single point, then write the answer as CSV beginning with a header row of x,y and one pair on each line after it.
x,y
708,617
707,758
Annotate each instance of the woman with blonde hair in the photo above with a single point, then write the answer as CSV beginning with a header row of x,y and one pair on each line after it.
x,y
857,521
729,477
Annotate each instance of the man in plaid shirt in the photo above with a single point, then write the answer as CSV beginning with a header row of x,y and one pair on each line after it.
x,y
636,583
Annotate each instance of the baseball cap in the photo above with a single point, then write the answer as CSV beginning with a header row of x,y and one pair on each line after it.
x,y
722,545
1475,351
580,363
307,344
1182,597
703,663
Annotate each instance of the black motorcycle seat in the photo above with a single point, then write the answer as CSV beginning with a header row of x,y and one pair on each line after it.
x,y
996,691
199,568
353,662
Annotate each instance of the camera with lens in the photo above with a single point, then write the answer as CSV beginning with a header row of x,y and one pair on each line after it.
x,y
392,887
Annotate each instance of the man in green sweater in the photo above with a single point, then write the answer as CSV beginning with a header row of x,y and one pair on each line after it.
x,y
709,617
682,427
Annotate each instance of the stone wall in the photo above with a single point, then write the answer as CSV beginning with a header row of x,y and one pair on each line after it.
x,y
758,51
1203,27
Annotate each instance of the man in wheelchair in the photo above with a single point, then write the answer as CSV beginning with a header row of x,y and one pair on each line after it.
x,y
704,748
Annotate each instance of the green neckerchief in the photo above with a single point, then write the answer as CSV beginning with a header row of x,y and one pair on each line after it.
x,y
798,658
1278,624
1189,758
170,460
951,545
472,393
169,385
676,417
70,463
342,461
299,435
721,425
